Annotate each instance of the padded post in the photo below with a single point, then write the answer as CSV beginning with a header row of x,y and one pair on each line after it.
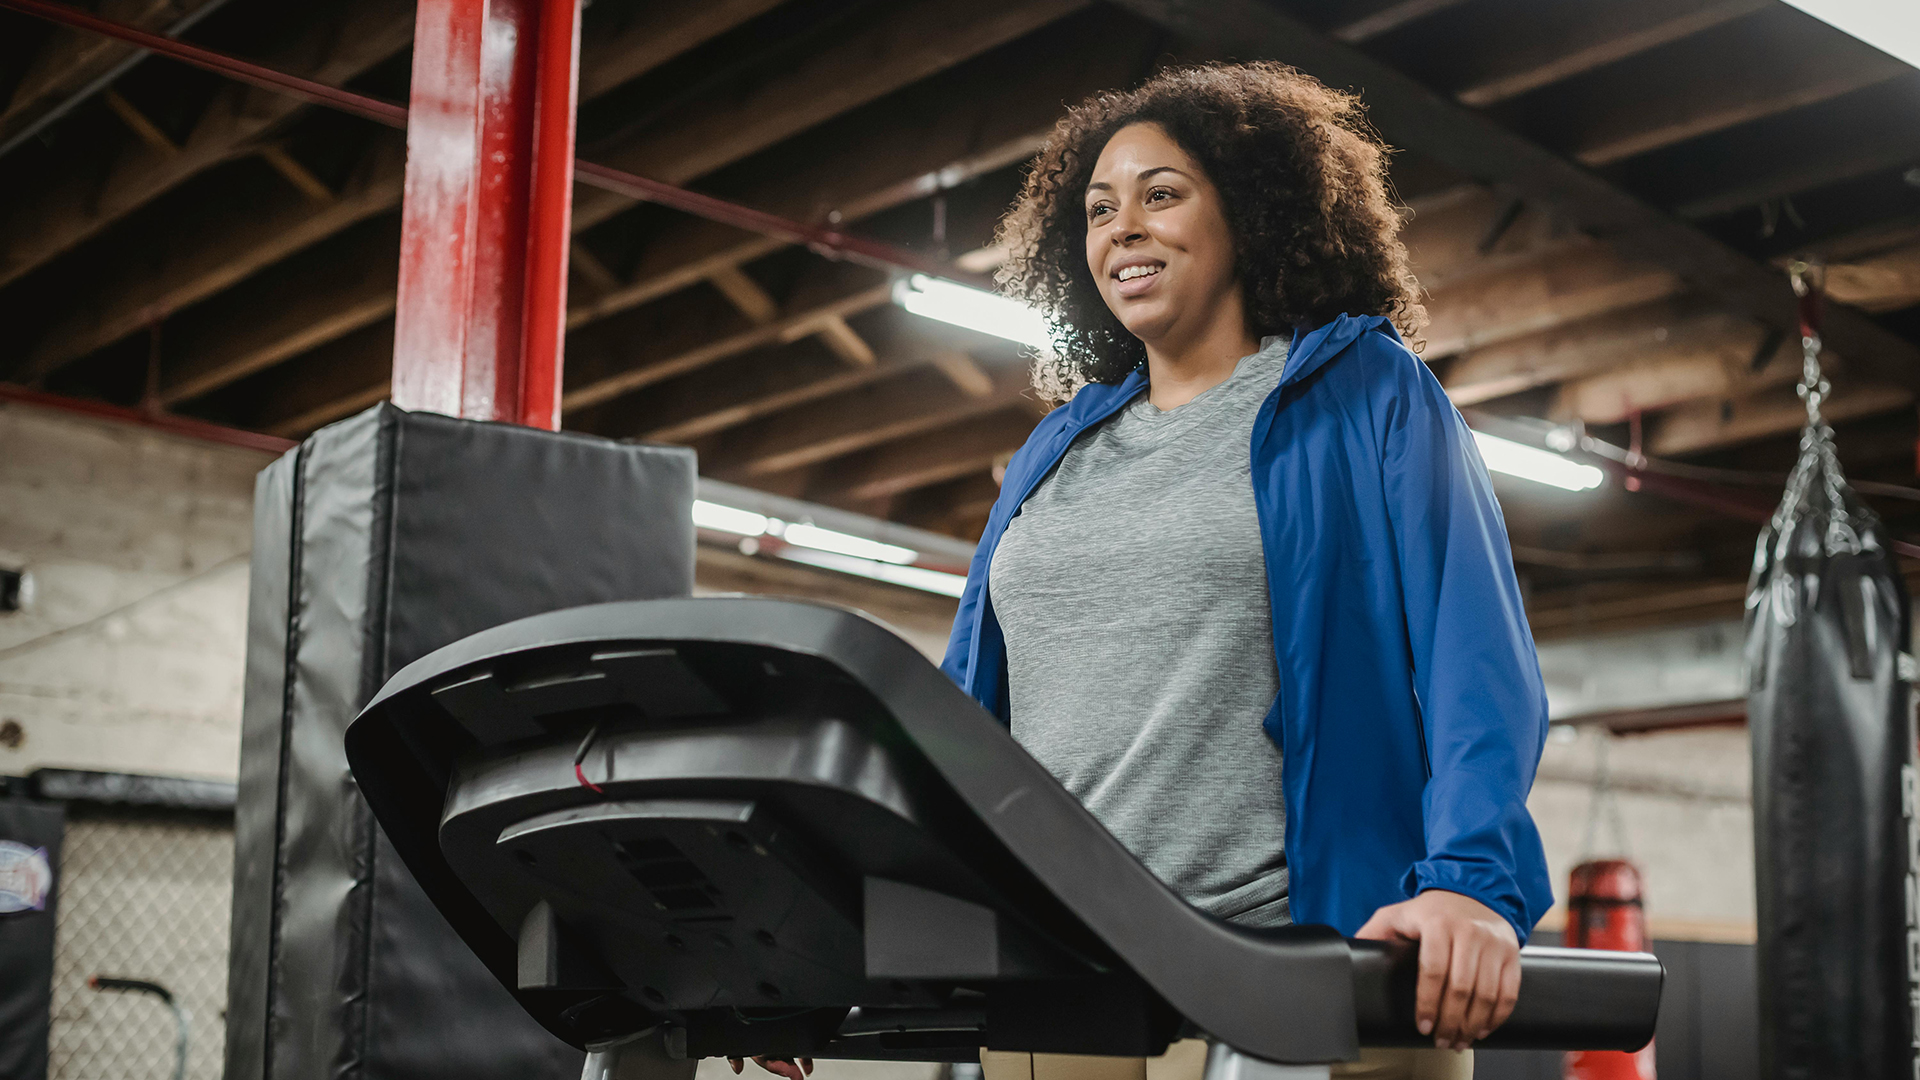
x,y
377,541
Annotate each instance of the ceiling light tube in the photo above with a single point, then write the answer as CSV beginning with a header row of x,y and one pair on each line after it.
x,y
913,577
859,547
973,309
1533,463
708,515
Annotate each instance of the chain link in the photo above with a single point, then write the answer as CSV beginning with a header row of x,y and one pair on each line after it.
x,y
1818,467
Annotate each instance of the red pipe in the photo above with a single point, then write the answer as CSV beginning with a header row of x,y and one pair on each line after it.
x,y
831,243
159,421
1721,500
550,211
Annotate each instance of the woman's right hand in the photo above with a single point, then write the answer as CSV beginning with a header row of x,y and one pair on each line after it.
x,y
790,1068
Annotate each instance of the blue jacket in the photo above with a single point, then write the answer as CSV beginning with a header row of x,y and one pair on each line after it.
x,y
1411,712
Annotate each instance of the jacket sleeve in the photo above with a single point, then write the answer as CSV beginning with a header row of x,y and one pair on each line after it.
x,y
960,640
1482,703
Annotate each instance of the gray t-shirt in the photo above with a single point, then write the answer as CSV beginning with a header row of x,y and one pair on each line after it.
x,y
1132,591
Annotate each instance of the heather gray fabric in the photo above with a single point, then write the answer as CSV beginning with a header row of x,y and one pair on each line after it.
x,y
1132,590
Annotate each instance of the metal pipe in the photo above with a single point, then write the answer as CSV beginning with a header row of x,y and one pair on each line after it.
x,y
181,1030
159,421
80,96
831,243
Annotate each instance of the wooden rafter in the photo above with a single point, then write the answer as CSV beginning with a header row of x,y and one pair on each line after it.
x,y
54,216
905,44
1569,39
1411,115
72,60
925,459
941,132
1712,424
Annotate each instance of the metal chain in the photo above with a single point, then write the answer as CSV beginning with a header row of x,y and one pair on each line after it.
x,y
1819,462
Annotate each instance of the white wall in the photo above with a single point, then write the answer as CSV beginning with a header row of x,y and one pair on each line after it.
x,y
1683,799
130,656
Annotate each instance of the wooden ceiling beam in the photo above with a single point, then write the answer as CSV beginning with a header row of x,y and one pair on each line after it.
x,y
1560,286
1645,604
957,507
1712,366
914,401
738,390
1564,40
249,234
217,243
1473,230
336,380
1389,18
607,363
655,33
287,309
71,60
735,131
931,457
1887,281
903,45
933,135
60,209
1743,167
766,381
1706,425
1770,63
1581,348
759,306
1411,115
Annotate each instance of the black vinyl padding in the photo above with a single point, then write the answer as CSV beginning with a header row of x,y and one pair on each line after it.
x,y
1296,994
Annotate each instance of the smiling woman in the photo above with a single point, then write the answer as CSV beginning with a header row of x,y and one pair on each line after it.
x,y
1285,167
1247,593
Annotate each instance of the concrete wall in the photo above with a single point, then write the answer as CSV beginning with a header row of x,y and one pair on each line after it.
x,y
130,656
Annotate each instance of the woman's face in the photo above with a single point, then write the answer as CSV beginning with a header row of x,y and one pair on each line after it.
x,y
1158,244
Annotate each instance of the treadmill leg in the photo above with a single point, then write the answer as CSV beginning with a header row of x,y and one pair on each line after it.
x,y
644,1058
1226,1063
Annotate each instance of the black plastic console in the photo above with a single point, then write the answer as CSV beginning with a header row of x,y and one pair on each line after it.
x,y
776,828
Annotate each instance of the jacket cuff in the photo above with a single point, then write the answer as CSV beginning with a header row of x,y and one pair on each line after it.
x,y
1485,884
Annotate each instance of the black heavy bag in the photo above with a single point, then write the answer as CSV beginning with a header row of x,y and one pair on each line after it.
x,y
1833,745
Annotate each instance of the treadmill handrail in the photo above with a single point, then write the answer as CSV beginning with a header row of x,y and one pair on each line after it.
x,y
1297,994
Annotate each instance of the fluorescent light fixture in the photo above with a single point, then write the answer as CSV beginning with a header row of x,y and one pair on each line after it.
x,y
913,577
1533,463
709,515
973,309
1892,26
859,547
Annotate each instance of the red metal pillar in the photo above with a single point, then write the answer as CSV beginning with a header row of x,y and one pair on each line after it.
x,y
483,249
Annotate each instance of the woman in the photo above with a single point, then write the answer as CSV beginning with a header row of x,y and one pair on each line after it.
x,y
1248,593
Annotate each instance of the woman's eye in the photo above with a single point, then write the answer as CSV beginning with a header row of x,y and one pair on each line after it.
x,y
1159,193
1096,211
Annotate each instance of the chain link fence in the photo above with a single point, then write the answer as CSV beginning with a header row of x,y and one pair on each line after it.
x,y
142,896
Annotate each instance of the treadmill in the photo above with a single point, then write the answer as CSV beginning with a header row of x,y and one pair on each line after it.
x,y
736,826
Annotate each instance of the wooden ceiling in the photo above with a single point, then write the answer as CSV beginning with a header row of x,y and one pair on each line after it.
x,y
1602,196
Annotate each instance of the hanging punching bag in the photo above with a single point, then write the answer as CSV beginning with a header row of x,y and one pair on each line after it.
x,y
1833,753
1604,911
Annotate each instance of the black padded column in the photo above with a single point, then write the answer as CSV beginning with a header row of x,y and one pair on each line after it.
x,y
376,541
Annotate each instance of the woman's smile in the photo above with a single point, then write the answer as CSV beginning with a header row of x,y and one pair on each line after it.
x,y
1135,275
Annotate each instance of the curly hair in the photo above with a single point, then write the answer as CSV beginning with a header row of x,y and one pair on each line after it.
x,y
1302,179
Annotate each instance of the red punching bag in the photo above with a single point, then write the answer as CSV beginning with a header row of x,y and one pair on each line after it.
x,y
1604,912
